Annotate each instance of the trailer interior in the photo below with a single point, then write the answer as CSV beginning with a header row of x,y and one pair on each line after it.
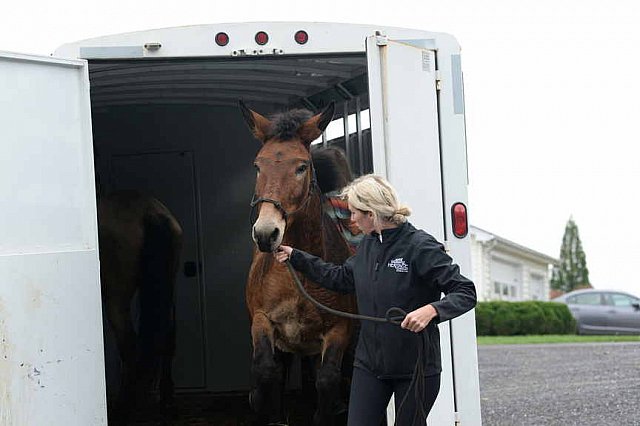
x,y
171,128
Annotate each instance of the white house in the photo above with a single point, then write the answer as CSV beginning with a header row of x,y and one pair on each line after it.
x,y
504,270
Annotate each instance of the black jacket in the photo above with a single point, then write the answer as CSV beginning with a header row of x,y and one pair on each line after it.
x,y
408,269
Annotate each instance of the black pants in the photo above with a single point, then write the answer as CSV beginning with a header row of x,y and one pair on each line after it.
x,y
370,397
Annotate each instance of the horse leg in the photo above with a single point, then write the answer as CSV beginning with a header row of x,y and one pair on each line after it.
x,y
329,377
166,378
119,317
267,370
158,268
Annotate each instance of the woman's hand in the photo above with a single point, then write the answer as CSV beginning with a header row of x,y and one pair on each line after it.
x,y
282,253
417,320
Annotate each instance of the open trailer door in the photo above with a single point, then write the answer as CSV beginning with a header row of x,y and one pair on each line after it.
x,y
51,346
406,149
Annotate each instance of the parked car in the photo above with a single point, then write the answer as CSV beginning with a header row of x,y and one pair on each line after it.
x,y
603,311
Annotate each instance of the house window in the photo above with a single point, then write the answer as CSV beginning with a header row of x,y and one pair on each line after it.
x,y
504,291
536,286
507,279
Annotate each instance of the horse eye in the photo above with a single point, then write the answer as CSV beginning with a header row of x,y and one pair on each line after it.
x,y
301,169
257,168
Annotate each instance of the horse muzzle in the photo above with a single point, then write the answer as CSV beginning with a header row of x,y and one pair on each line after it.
x,y
267,236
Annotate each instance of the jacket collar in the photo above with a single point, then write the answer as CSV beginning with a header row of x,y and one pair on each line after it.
x,y
391,234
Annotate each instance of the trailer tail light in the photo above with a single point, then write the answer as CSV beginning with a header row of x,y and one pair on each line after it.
x,y
222,39
301,37
262,38
459,220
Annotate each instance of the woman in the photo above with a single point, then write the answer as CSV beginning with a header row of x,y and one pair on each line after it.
x,y
396,265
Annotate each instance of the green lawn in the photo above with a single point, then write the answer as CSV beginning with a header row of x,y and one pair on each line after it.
x,y
552,338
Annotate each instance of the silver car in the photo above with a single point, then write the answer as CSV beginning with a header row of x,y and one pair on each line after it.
x,y
603,311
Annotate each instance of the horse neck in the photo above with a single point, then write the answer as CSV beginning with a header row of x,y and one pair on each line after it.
x,y
305,230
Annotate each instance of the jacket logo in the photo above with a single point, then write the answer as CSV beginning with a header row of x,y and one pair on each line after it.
x,y
399,265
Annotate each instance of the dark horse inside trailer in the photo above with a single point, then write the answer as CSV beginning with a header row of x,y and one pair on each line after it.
x,y
140,245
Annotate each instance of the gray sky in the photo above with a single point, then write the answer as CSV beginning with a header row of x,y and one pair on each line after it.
x,y
551,100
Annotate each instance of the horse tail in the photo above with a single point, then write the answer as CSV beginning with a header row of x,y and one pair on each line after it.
x,y
157,274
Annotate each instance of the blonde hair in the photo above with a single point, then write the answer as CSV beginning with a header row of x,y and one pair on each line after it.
x,y
371,193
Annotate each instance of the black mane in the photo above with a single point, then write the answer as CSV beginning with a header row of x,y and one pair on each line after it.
x,y
286,124
331,165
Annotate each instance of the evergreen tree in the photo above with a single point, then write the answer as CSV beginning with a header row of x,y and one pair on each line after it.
x,y
572,271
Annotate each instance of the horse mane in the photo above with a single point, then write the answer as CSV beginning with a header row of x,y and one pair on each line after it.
x,y
285,125
332,169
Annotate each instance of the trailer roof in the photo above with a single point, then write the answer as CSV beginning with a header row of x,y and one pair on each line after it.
x,y
309,81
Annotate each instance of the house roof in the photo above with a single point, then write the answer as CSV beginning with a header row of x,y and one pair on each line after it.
x,y
484,236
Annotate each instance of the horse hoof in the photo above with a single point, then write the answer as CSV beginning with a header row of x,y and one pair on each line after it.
x,y
340,408
167,402
254,400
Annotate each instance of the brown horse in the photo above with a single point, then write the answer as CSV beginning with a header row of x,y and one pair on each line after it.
x,y
140,244
289,208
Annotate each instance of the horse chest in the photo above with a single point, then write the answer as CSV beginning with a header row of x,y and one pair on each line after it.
x,y
298,326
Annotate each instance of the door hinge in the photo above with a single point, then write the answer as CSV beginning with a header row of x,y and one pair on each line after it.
x,y
438,80
381,39
456,418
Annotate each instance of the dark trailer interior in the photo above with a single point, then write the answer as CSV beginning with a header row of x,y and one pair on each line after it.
x,y
171,128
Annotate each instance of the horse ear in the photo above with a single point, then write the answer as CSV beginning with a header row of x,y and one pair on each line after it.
x,y
313,127
258,124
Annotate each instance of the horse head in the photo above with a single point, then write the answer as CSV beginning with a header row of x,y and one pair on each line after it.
x,y
284,172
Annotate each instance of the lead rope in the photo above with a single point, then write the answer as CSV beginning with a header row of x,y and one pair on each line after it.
x,y
395,316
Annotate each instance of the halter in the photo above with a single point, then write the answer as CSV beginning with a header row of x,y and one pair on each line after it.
x,y
313,186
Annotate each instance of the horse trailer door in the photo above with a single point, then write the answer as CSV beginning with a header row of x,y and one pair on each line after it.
x,y
51,347
406,149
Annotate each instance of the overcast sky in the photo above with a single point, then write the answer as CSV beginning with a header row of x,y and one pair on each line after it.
x,y
552,100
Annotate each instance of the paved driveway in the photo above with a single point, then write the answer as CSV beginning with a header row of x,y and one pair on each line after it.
x,y
560,384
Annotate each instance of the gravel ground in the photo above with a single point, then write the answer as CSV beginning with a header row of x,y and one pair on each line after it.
x,y
560,384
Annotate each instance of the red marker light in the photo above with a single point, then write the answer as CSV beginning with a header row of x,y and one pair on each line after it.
x,y
301,37
222,39
459,220
262,38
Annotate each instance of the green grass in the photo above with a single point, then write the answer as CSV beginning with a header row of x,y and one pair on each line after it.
x,y
552,338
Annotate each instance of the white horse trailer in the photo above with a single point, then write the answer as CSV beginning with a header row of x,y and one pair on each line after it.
x,y
157,111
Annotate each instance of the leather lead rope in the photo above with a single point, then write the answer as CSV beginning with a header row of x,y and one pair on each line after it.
x,y
393,315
